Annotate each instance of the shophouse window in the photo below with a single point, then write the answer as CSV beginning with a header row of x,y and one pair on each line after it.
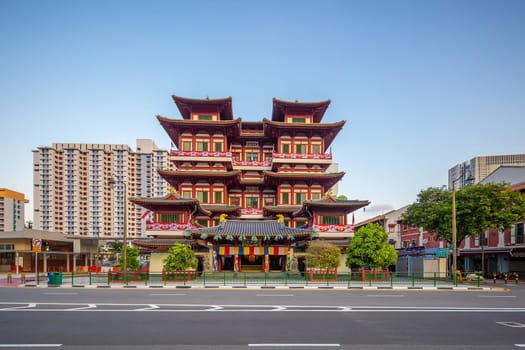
x,y
519,232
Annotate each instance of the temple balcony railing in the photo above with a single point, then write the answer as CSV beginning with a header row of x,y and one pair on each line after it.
x,y
251,212
201,155
328,228
251,165
167,228
312,158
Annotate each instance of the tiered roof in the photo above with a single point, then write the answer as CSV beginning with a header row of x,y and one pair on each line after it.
x,y
281,108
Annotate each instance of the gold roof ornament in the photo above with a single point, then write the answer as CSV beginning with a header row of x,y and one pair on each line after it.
x,y
222,217
280,218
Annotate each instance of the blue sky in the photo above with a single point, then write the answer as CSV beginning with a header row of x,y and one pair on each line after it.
x,y
423,85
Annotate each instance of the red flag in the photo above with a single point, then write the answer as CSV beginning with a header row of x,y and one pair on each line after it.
x,y
145,214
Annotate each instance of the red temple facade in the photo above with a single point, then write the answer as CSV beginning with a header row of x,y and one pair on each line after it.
x,y
248,195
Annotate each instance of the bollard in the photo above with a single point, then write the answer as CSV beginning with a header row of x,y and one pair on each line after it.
x,y
516,276
494,276
9,277
506,277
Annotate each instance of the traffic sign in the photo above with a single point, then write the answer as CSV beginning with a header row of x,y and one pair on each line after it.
x,y
37,245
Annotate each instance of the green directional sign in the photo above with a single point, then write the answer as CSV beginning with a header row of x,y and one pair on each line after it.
x,y
441,253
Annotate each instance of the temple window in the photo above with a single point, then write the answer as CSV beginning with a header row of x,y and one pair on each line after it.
x,y
186,145
205,117
285,148
331,220
252,202
316,149
218,147
316,195
299,120
186,194
169,217
202,146
251,156
235,201
269,201
218,197
203,222
299,148
300,197
202,196
285,198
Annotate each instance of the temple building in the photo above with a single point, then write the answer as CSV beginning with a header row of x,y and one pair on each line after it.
x,y
248,196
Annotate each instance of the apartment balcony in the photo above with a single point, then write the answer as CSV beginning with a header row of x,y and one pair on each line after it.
x,y
302,158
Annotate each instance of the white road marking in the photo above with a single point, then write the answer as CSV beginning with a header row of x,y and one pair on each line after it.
x,y
283,345
274,295
511,324
151,307
520,345
496,296
90,306
385,295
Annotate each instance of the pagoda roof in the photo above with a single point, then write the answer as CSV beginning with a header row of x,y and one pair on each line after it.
x,y
317,109
175,127
328,130
222,105
178,176
281,209
222,208
237,228
328,180
330,202
170,201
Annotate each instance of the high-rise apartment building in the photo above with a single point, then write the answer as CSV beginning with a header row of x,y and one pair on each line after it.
x,y
11,210
476,169
79,188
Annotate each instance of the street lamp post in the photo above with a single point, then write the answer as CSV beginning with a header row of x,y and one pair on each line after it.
x,y
454,231
112,181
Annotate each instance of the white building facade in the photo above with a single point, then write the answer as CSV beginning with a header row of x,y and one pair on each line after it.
x,y
12,211
74,194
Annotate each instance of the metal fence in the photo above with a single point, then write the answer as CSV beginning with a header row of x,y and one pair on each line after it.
x,y
246,279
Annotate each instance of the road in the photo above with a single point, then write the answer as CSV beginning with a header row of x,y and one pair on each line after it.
x,y
76,318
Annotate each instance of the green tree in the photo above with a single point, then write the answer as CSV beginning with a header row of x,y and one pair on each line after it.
x,y
132,259
369,248
180,258
478,208
322,255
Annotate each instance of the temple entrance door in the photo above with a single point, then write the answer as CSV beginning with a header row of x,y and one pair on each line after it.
x,y
252,263
277,262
